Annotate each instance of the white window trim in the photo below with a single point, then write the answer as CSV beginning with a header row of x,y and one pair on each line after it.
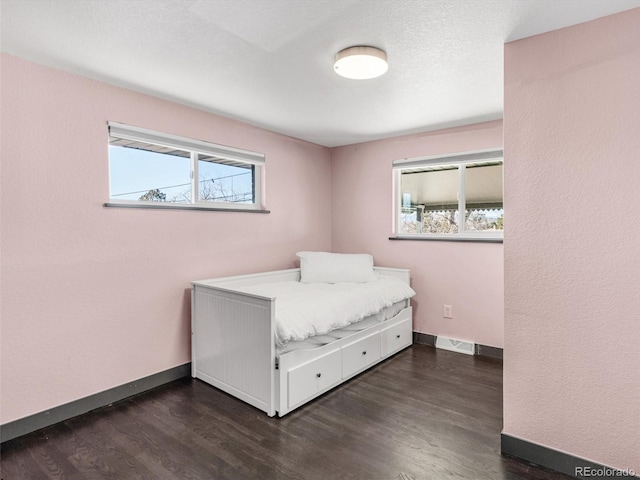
x,y
452,159
195,147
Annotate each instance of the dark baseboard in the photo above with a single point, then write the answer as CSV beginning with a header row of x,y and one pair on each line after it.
x,y
490,352
481,350
559,461
424,339
29,424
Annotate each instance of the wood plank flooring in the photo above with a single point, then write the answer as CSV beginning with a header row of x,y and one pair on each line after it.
x,y
423,414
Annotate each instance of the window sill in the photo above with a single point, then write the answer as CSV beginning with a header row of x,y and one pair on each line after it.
x,y
448,239
184,207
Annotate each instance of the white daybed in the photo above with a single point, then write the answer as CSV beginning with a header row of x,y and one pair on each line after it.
x,y
234,347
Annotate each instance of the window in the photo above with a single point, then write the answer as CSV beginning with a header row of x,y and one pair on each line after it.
x,y
455,197
153,169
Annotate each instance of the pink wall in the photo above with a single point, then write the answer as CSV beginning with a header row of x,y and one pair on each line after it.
x,y
572,256
95,297
468,276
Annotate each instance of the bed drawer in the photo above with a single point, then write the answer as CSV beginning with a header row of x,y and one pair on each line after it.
x,y
311,378
361,354
396,337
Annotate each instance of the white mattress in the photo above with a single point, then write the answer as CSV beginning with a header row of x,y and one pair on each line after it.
x,y
304,310
320,340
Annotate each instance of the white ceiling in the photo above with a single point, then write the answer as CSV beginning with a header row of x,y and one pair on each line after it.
x,y
269,62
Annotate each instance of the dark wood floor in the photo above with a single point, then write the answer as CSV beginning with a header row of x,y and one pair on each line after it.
x,y
424,414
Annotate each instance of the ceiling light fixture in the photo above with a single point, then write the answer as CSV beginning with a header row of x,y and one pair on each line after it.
x,y
360,63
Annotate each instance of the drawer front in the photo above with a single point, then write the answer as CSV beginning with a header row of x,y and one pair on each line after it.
x,y
395,338
359,355
307,380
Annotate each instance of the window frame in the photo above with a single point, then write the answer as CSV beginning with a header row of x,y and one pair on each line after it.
x,y
195,148
458,159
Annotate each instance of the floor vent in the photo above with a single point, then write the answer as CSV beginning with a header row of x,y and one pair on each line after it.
x,y
454,345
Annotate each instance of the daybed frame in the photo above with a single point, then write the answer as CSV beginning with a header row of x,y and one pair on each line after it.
x,y
233,345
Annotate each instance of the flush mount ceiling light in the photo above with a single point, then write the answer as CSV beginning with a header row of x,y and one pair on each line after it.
x,y
360,63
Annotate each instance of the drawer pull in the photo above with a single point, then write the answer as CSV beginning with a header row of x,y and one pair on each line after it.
x,y
318,375
364,353
397,336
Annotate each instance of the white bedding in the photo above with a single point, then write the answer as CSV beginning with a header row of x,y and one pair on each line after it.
x,y
307,309
316,341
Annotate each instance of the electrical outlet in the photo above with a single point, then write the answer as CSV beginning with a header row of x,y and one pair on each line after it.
x,y
448,311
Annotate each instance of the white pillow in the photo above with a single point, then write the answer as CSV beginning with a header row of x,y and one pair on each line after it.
x,y
324,267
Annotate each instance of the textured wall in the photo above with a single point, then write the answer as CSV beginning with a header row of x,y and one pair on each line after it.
x,y
572,262
95,297
467,276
